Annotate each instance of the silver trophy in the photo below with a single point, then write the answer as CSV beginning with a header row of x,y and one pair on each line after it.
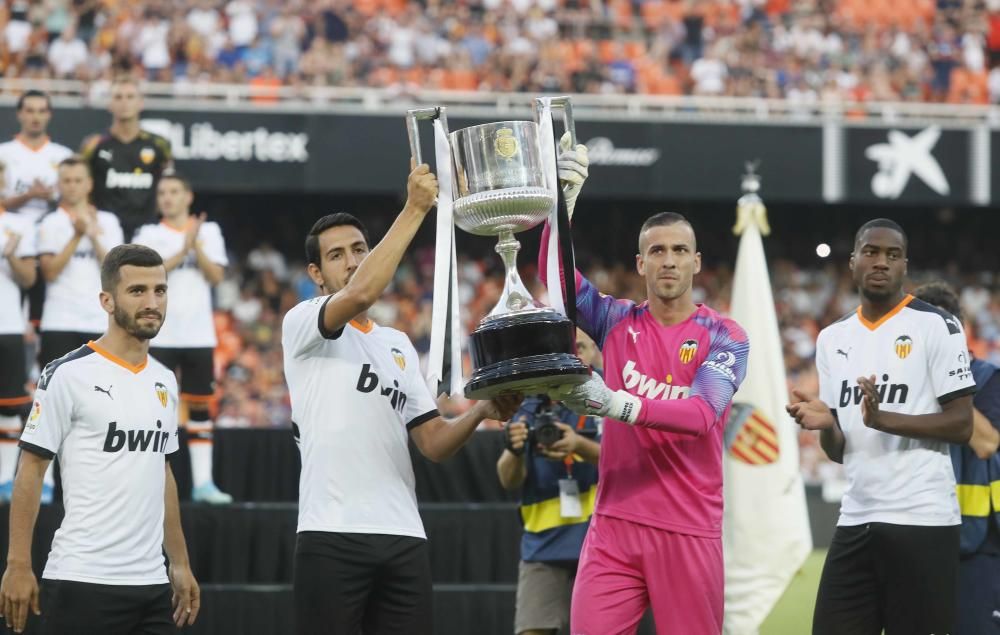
x,y
500,189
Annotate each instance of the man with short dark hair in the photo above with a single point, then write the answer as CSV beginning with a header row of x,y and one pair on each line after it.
x,y
109,412
361,559
895,390
127,161
31,159
672,368
194,254
977,472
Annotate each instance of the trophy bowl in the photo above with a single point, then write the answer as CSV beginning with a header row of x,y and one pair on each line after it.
x,y
499,189
500,183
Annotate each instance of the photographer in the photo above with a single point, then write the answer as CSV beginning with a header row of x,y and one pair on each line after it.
x,y
552,454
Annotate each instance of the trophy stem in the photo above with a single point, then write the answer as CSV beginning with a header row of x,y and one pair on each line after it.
x,y
515,296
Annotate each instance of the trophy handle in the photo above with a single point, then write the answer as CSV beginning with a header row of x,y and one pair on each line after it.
x,y
565,103
413,119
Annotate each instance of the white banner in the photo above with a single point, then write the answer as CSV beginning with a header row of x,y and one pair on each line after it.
x,y
766,533
443,323
547,145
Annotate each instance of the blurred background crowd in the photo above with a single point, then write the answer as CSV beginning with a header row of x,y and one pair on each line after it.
x,y
806,51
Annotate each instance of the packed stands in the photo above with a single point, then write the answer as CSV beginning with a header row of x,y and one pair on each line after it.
x,y
806,51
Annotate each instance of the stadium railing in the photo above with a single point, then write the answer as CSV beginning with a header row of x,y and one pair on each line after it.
x,y
69,93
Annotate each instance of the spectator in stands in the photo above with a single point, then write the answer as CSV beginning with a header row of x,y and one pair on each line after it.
x,y
558,483
127,161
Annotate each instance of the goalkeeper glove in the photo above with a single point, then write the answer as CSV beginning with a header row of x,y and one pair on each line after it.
x,y
573,163
595,398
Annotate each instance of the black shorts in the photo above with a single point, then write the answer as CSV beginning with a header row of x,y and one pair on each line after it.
x,y
900,578
15,373
197,370
353,583
103,609
55,344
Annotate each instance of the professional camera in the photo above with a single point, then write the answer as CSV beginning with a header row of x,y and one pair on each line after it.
x,y
544,431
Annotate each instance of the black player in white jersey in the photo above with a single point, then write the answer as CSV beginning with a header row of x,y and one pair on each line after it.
x,y
109,412
127,161
361,559
895,390
194,254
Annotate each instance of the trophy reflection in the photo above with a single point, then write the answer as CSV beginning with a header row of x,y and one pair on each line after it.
x,y
499,188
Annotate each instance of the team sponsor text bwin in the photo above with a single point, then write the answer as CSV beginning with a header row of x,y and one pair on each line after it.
x,y
136,440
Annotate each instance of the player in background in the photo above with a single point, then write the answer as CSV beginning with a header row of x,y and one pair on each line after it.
x,y
72,244
895,390
977,472
671,368
17,271
194,254
127,161
109,412
32,161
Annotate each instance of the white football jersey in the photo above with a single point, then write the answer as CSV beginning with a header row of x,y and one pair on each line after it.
x,y
189,322
111,424
11,310
25,166
355,395
919,357
71,300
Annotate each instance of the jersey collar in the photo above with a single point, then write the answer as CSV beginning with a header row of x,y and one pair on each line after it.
x,y
871,326
364,328
117,360
20,140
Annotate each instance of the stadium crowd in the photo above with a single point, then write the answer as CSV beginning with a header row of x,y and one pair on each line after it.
x,y
807,51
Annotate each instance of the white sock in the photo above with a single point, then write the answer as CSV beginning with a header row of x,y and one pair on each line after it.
x,y
201,460
10,431
50,478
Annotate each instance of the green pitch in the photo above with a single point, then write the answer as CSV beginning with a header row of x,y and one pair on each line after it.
x,y
793,613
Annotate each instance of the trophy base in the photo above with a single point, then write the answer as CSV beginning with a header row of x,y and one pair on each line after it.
x,y
528,352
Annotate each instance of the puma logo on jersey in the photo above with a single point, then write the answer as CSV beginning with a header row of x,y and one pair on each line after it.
x,y
136,440
887,393
650,388
106,392
128,180
104,154
843,352
368,381
634,334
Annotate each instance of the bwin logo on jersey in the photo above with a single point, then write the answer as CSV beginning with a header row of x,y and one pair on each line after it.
x,y
649,387
136,440
138,180
904,345
368,382
887,393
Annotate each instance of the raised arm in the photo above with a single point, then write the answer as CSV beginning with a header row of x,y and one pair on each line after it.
x,y
378,268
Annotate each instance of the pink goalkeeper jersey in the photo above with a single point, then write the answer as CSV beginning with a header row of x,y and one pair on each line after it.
x,y
666,479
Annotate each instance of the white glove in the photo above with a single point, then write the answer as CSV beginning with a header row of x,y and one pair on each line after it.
x,y
595,398
573,164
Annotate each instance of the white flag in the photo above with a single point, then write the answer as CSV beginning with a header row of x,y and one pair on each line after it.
x,y
766,535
